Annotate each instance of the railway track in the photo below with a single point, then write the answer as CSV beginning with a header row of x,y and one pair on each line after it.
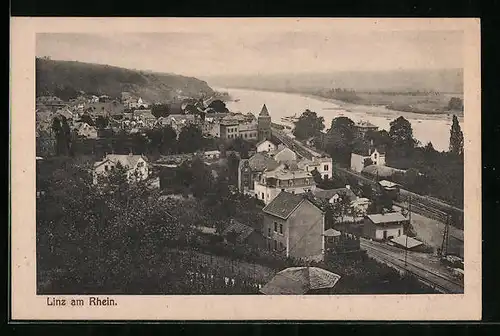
x,y
442,283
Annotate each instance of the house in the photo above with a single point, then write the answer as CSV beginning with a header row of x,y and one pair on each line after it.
x,y
294,227
334,196
249,169
229,128
363,157
145,117
283,154
240,233
84,130
211,155
136,166
266,146
248,130
177,121
286,177
362,127
384,226
323,165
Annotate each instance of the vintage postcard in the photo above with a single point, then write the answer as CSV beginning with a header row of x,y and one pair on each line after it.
x,y
245,169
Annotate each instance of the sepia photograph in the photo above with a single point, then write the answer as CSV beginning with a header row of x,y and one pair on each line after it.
x,y
289,160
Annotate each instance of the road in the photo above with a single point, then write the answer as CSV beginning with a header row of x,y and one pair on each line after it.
x,y
421,265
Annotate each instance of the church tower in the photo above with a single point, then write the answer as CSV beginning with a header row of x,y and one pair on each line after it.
x,y
264,124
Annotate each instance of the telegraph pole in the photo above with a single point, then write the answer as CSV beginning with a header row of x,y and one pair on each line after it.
x,y
407,229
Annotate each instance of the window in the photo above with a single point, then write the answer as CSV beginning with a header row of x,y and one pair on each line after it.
x,y
269,232
399,232
275,244
282,247
106,168
281,228
375,156
140,164
275,227
325,176
325,167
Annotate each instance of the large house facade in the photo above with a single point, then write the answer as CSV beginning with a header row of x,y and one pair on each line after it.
x,y
136,166
293,227
269,184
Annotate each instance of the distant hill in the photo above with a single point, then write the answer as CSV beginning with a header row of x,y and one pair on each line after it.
x,y
446,80
54,76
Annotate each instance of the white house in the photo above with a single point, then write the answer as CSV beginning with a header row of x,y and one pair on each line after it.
x,y
322,164
86,131
136,166
358,158
269,184
266,146
384,226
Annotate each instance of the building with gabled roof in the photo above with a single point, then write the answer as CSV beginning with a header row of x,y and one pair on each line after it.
x,y
286,177
136,166
294,227
384,226
237,232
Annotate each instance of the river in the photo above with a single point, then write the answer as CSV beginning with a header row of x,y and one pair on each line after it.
x,y
426,127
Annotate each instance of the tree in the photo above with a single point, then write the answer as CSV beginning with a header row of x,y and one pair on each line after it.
x,y
318,179
202,182
160,110
101,122
309,125
190,139
401,134
168,140
339,140
62,133
86,118
456,103
241,146
456,138
219,106
233,163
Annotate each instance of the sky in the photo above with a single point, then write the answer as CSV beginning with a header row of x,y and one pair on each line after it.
x,y
241,52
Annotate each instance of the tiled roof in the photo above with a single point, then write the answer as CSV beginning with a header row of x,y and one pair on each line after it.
x,y
300,280
405,241
261,162
331,233
264,112
242,230
284,204
125,160
387,217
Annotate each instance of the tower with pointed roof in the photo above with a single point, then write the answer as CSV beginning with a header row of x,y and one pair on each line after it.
x,y
264,124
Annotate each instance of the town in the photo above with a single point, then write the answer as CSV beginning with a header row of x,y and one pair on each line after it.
x,y
188,197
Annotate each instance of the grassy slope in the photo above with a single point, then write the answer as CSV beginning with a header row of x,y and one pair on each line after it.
x,y
110,80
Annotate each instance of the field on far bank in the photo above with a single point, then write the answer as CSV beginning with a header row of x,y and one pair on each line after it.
x,y
422,103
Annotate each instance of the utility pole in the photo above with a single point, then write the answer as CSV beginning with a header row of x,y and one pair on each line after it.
x,y
444,245
407,229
